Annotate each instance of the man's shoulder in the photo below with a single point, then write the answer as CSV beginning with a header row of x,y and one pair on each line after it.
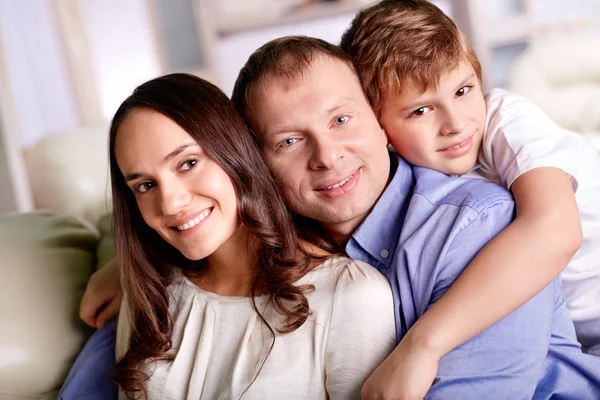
x,y
440,189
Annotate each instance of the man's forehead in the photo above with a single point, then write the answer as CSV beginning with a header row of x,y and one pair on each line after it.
x,y
326,84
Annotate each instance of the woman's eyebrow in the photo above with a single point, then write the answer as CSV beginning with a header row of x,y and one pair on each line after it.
x,y
174,153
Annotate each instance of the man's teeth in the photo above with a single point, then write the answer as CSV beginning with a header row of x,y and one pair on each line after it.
x,y
195,221
337,185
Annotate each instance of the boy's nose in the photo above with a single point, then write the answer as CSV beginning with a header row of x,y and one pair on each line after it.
x,y
453,123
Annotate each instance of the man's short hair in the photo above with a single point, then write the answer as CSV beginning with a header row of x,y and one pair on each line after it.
x,y
398,41
284,59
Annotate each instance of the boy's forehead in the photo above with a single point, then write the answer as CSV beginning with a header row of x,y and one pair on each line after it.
x,y
447,76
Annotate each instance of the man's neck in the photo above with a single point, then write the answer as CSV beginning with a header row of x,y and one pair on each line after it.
x,y
341,232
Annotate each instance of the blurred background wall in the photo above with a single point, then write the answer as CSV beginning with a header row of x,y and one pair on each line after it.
x,y
65,65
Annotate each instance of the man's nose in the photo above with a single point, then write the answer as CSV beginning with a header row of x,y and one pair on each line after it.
x,y
174,198
453,122
327,150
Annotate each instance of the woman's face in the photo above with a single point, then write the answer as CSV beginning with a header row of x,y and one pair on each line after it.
x,y
182,193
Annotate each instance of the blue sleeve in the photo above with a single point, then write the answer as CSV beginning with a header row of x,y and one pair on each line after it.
x,y
90,378
504,361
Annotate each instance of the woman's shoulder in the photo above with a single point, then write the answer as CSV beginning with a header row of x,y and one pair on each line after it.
x,y
342,273
353,296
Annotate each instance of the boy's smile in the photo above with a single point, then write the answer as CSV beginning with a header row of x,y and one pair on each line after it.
x,y
440,128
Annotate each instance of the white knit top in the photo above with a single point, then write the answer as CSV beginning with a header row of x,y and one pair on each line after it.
x,y
220,342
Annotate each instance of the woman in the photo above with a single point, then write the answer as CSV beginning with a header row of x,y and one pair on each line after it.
x,y
222,300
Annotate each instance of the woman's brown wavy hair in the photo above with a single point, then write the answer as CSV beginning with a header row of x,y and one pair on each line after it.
x,y
146,261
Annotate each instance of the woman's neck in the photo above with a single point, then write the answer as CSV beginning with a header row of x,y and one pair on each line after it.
x,y
231,269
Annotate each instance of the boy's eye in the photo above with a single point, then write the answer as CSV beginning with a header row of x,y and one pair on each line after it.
x,y
288,142
342,119
189,164
463,90
421,111
144,187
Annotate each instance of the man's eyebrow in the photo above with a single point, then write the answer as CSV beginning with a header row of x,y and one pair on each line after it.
x,y
174,153
270,131
339,104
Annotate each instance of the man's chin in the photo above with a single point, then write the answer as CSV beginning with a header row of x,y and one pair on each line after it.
x,y
343,222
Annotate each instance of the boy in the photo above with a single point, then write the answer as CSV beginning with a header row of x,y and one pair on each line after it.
x,y
424,82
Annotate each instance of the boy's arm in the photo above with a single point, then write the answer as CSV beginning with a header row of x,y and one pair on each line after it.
x,y
515,265
103,296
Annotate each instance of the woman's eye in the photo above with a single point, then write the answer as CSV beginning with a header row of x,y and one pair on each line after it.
x,y
463,90
288,142
341,120
144,187
189,164
421,111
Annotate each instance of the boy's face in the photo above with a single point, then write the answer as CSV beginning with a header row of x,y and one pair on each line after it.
x,y
439,129
323,144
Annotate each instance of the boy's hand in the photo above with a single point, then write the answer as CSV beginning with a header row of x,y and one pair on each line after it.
x,y
407,374
102,298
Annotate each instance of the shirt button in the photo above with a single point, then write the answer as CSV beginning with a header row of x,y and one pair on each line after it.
x,y
385,253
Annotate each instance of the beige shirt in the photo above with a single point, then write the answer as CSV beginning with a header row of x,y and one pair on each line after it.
x,y
220,342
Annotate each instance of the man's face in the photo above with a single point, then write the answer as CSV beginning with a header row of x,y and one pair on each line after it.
x,y
323,144
440,128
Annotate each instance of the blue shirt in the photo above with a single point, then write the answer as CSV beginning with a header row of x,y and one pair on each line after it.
x,y
91,378
424,230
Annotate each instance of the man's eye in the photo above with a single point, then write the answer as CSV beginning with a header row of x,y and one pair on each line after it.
x,y
144,187
463,90
288,142
421,111
188,164
341,120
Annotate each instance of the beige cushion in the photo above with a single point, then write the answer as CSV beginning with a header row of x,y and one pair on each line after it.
x,y
106,245
68,173
45,262
561,75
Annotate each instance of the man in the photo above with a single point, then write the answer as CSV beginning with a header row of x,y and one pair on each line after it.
x,y
420,228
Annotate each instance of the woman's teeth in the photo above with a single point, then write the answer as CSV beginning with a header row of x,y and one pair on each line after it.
x,y
195,221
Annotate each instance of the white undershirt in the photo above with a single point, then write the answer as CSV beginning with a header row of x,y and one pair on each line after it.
x,y
222,341
520,137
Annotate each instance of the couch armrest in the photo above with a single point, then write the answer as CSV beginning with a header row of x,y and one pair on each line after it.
x,y
45,263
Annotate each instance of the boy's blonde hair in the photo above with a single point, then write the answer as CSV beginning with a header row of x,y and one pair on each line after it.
x,y
398,41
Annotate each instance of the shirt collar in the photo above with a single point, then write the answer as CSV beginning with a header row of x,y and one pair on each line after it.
x,y
379,233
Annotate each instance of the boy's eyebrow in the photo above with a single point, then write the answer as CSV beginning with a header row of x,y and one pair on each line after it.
x,y
417,103
174,153
412,106
467,79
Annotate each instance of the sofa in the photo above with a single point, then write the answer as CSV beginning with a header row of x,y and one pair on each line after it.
x,y
46,259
